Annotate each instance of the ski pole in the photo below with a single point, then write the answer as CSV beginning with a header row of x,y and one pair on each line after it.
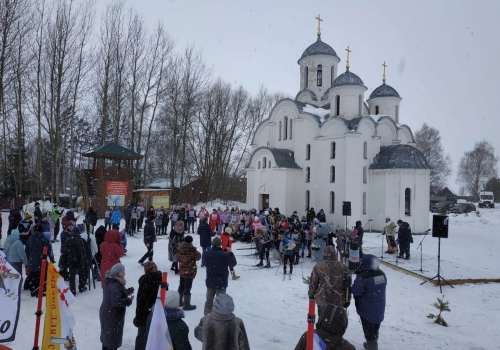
x,y
311,319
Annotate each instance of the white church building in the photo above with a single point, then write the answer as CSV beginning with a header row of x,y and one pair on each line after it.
x,y
330,145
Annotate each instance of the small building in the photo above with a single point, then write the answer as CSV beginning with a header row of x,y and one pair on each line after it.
x,y
109,181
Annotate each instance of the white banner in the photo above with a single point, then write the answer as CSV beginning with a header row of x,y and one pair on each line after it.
x,y
10,300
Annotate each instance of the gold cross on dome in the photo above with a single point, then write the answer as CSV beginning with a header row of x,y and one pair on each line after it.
x,y
348,52
385,66
319,24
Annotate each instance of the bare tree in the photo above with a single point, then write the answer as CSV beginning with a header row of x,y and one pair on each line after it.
x,y
428,141
477,167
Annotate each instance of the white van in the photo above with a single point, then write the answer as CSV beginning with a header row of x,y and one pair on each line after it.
x,y
486,200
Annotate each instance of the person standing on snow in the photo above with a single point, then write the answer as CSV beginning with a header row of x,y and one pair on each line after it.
x,y
176,236
116,217
368,290
330,281
111,252
405,238
149,239
227,242
205,238
217,263
390,233
188,255
74,259
115,299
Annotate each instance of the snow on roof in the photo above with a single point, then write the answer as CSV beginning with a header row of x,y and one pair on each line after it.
x,y
322,113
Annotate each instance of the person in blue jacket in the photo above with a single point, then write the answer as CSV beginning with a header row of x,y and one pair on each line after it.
x,y
116,217
368,290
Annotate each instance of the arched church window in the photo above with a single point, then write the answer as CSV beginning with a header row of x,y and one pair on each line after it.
x,y
364,202
264,162
332,202
332,173
269,165
408,202
308,151
308,174
376,110
360,98
258,165
279,132
320,75
291,126
333,76
306,77
337,105
333,150
365,175
308,199
285,131
365,150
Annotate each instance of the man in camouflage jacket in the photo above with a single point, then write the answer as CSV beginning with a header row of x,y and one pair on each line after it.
x,y
330,281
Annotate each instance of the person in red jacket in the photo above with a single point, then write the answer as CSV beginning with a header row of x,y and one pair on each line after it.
x,y
227,242
214,219
111,251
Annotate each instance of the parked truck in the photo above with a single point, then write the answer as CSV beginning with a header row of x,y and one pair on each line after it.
x,y
486,199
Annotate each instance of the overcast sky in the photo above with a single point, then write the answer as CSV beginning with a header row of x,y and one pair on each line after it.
x,y
443,57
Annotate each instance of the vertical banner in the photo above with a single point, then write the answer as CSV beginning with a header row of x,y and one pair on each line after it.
x,y
59,320
10,299
116,192
164,201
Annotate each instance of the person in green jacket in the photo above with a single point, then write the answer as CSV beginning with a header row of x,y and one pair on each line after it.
x,y
178,329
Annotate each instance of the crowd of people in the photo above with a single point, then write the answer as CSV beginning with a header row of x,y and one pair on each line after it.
x,y
93,254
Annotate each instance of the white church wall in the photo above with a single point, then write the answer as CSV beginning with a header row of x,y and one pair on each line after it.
x,y
312,63
387,133
386,106
349,100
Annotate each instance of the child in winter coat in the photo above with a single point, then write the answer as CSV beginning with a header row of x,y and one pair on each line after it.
x,y
287,246
15,252
123,239
227,242
341,244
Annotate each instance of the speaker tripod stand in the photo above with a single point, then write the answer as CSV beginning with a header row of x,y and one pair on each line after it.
x,y
438,276
421,251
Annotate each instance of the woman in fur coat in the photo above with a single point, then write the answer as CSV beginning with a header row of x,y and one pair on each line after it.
x,y
176,236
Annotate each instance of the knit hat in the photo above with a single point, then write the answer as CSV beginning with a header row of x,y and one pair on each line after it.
x,y
38,228
216,242
150,266
228,230
223,304
117,268
388,217
36,203
27,216
172,299
400,221
188,239
256,218
75,230
14,233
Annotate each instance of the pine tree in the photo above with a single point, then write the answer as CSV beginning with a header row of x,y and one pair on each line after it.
x,y
441,305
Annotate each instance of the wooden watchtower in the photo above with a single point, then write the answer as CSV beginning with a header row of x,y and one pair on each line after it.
x,y
109,181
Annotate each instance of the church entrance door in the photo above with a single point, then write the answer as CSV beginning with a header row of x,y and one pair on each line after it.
x,y
264,201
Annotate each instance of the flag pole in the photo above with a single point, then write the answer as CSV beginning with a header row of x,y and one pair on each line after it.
x,y
163,290
40,297
311,318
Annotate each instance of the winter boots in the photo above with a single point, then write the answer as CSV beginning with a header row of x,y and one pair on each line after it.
x,y
181,299
371,345
187,303
175,267
233,273
260,264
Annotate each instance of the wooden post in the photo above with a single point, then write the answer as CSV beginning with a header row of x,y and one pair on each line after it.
x,y
311,318
40,297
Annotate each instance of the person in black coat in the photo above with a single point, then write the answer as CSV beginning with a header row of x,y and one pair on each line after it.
x,y
115,299
37,213
149,239
14,220
311,214
74,257
146,297
91,219
34,252
405,238
217,262
205,238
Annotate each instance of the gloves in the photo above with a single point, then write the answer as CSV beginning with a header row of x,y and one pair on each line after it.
x,y
346,304
164,285
130,290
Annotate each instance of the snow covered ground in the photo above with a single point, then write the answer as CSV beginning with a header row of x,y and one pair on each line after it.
x,y
274,311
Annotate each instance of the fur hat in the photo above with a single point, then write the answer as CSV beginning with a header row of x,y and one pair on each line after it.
x,y
223,304
228,230
256,218
172,299
188,239
150,266
117,268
